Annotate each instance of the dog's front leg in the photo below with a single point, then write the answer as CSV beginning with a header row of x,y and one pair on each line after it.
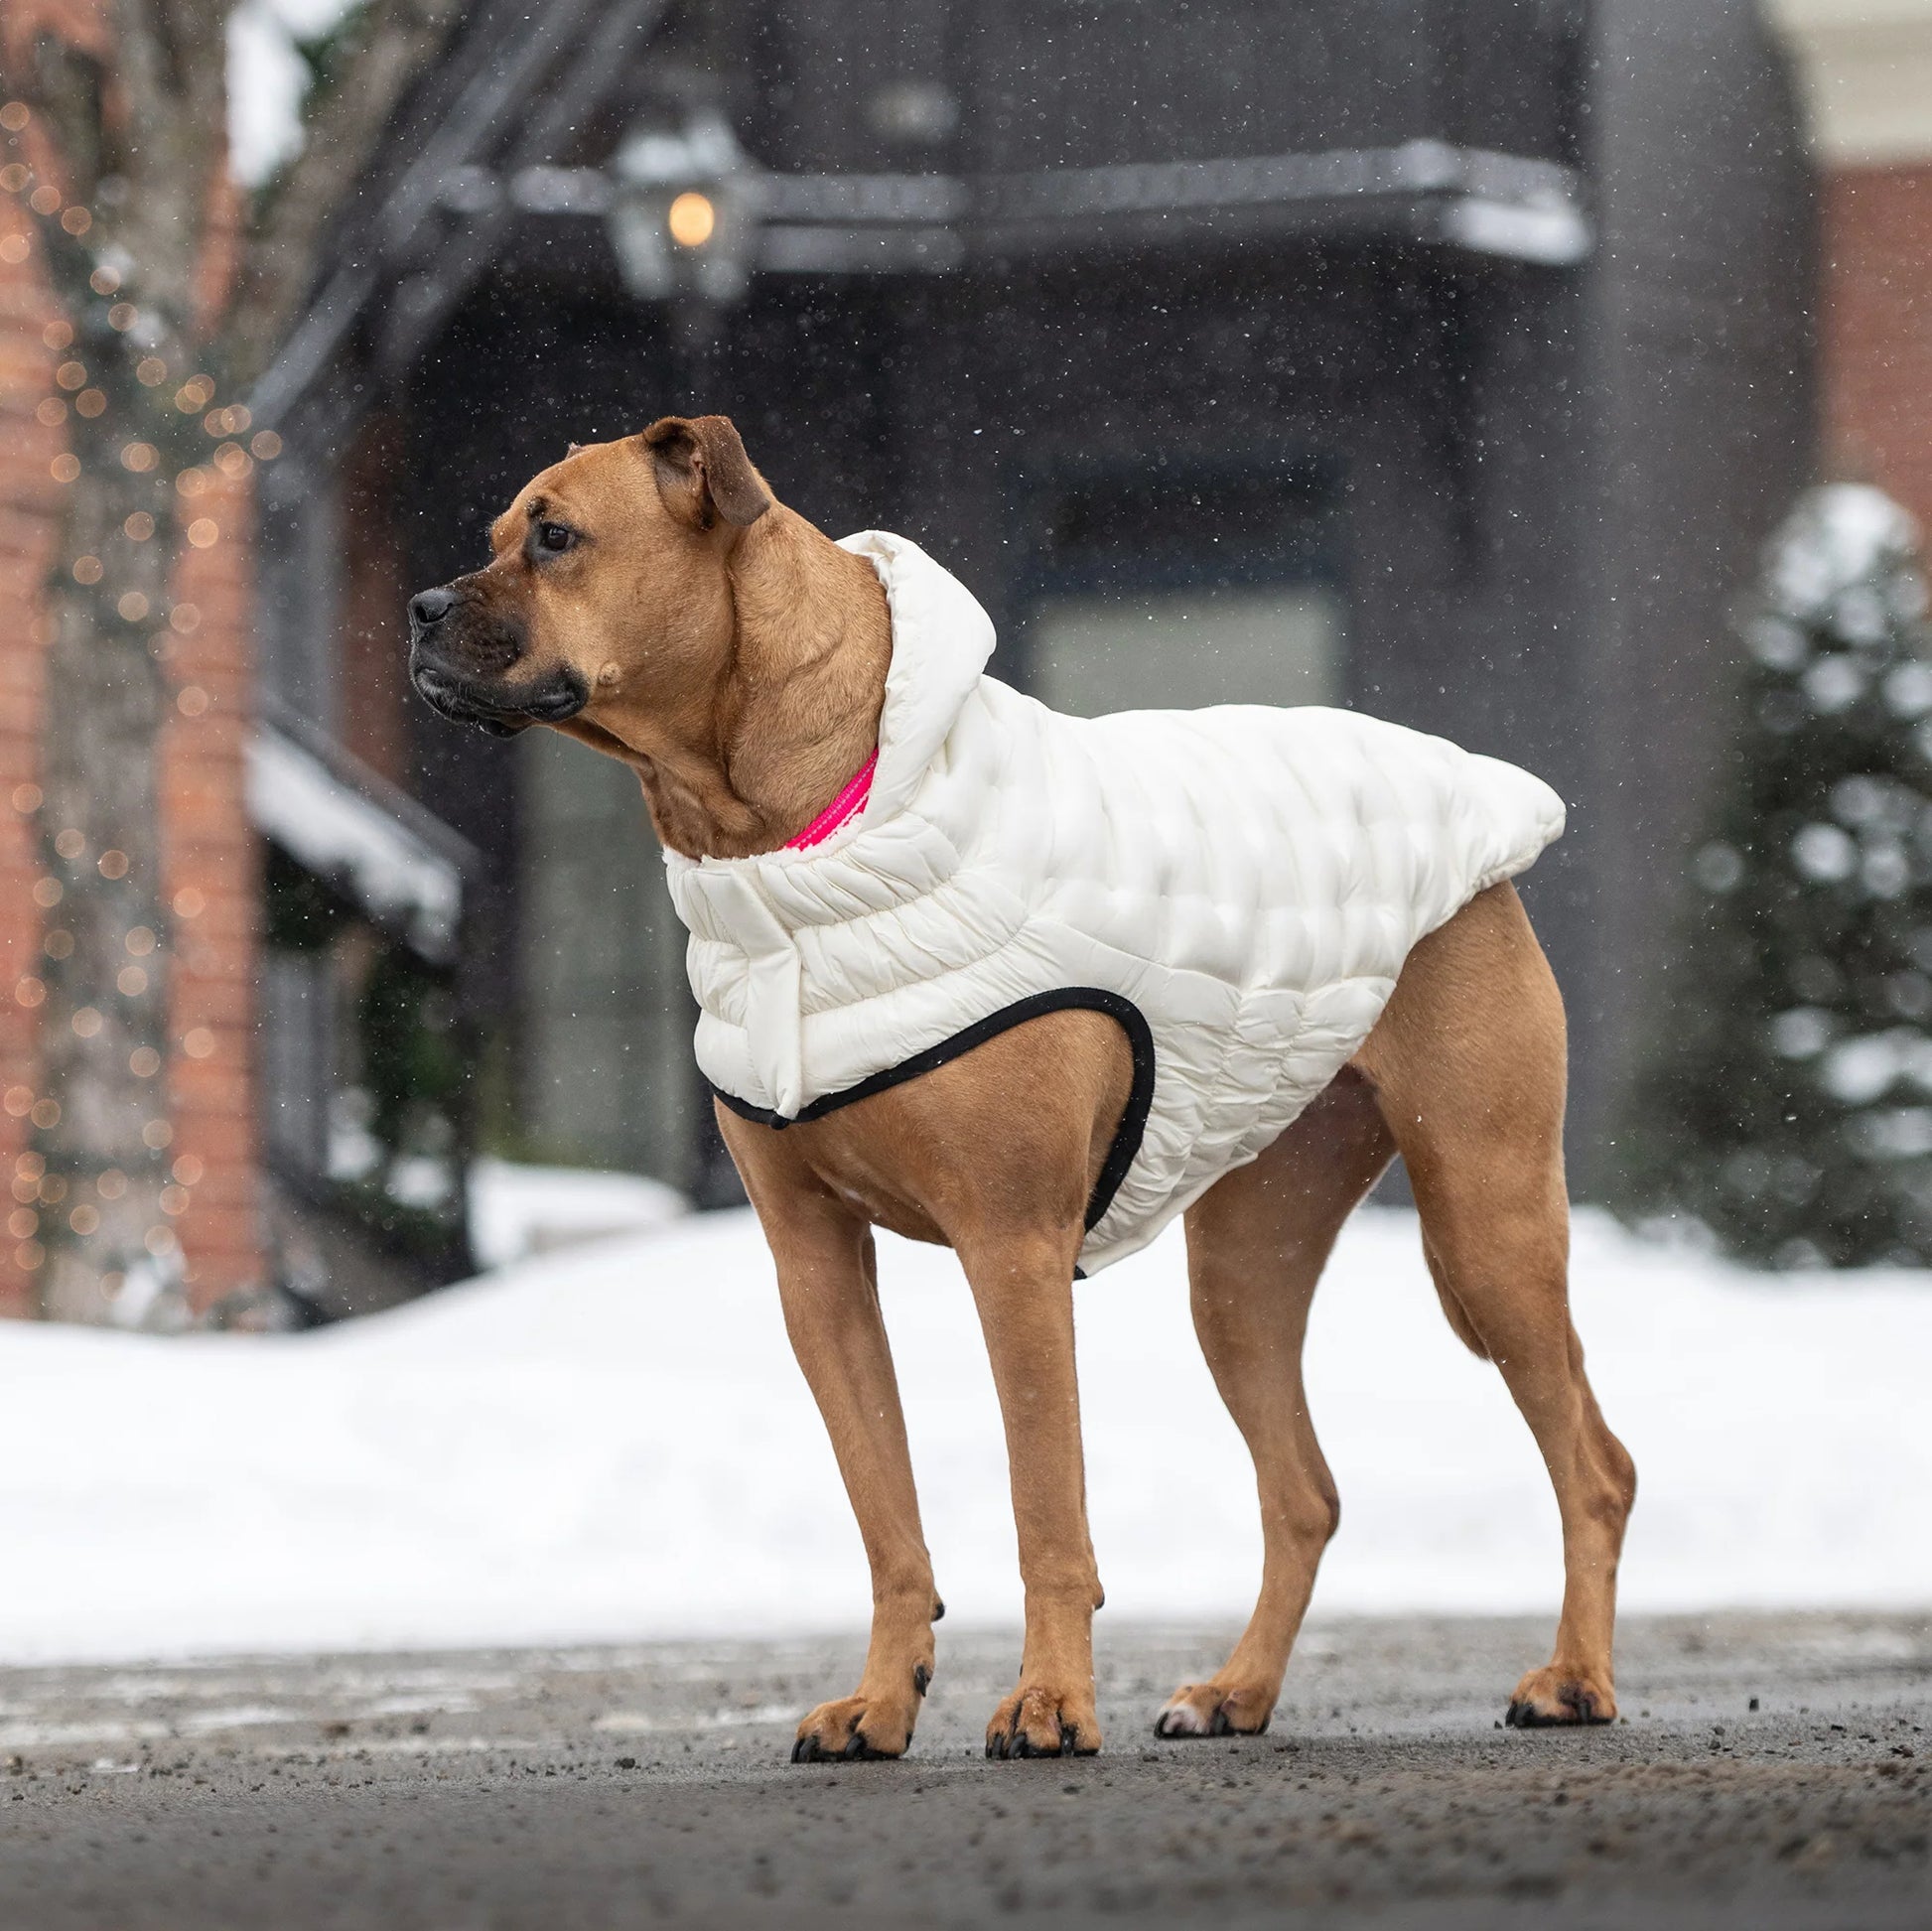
x,y
1024,1288
829,1286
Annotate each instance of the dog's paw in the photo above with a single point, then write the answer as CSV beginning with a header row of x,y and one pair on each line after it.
x,y
1037,1720
1216,1710
1551,1698
857,1729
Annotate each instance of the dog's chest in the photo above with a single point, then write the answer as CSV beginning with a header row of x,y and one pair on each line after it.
x,y
1013,1133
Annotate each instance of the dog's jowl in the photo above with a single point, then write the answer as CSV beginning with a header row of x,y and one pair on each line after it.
x,y
1031,986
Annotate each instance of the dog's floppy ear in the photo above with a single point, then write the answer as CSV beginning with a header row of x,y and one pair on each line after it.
x,y
703,471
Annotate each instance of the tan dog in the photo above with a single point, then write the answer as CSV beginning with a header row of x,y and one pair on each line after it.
x,y
650,598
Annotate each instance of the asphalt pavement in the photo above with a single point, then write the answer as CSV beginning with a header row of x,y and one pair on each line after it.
x,y
1769,1772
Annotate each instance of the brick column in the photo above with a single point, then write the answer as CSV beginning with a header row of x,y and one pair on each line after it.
x,y
214,886
212,865
1876,378
29,507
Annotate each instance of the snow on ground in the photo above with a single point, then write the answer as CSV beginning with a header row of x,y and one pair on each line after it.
x,y
613,1442
516,1211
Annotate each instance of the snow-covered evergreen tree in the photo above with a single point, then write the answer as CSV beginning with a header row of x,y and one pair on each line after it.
x,y
1789,1104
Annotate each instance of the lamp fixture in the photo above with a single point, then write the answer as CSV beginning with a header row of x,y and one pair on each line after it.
x,y
684,211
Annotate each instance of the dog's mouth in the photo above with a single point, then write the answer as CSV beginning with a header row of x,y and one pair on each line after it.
x,y
500,710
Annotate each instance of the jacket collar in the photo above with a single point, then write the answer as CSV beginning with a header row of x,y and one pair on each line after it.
x,y
941,640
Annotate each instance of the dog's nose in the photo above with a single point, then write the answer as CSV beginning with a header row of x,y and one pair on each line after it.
x,y
428,606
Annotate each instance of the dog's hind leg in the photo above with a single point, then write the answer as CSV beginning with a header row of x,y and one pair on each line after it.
x,y
1467,1063
1257,1242
829,1287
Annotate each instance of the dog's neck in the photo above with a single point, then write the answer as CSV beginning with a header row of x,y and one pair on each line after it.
x,y
792,711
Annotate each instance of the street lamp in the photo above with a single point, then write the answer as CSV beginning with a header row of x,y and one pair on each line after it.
x,y
684,212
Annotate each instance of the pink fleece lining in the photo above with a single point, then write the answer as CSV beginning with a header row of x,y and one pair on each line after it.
x,y
848,804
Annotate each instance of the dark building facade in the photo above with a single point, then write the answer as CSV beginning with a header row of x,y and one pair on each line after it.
x,y
1444,359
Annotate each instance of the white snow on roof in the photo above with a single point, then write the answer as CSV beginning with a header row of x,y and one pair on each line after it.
x,y
295,799
614,1442
268,81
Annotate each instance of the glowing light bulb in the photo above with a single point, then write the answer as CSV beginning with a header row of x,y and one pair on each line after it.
x,y
692,219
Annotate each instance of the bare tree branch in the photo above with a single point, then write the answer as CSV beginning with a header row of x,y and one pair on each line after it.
x,y
398,42
169,65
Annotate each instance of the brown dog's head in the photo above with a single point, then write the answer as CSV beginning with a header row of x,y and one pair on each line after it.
x,y
606,571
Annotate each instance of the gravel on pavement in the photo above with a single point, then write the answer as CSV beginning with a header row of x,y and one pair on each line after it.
x,y
1769,1771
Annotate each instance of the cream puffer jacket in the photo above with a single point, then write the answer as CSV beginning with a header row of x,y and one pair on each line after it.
x,y
1237,887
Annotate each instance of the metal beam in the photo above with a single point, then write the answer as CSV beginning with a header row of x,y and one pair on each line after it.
x,y
1357,187
425,299
1426,192
497,89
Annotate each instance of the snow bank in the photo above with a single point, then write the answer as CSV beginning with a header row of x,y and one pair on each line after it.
x,y
613,1442
516,1211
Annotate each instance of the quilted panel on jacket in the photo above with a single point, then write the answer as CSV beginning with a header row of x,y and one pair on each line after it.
x,y
1250,878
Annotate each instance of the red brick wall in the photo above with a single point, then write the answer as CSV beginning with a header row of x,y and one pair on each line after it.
x,y
214,887
27,505
210,854
1876,304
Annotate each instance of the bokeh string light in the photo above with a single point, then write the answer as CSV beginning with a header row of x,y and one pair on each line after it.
x,y
79,391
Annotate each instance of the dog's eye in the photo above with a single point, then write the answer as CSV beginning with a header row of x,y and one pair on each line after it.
x,y
555,538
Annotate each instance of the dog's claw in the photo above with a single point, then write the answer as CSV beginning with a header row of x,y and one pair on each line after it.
x,y
1526,1716
1020,1744
921,1678
1202,1710
1041,1722
856,1749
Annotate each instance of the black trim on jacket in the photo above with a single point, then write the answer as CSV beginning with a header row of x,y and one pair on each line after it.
x,y
1090,999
